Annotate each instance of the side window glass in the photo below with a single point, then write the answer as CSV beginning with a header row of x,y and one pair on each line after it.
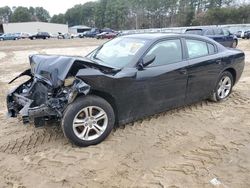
x,y
218,32
211,48
226,32
166,52
209,32
196,48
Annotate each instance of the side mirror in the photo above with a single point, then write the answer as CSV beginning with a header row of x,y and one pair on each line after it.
x,y
147,60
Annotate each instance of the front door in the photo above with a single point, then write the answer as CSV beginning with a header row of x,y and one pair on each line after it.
x,y
165,80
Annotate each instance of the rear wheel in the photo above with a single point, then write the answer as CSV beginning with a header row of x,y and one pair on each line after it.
x,y
223,88
88,121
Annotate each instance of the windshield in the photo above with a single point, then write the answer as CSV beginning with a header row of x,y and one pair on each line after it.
x,y
118,52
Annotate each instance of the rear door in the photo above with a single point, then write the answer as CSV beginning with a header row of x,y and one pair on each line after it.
x,y
204,68
229,38
219,36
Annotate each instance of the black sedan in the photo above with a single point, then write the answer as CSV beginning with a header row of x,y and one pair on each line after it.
x,y
246,35
125,79
40,35
220,35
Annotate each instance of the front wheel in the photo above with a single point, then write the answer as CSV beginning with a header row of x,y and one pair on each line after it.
x,y
223,88
88,121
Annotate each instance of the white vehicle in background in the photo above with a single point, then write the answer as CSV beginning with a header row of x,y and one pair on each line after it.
x,y
53,35
66,36
242,34
22,35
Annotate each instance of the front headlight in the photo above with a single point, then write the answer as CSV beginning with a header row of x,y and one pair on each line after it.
x,y
69,81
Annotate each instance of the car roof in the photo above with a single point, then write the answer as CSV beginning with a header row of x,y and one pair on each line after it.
x,y
204,28
157,36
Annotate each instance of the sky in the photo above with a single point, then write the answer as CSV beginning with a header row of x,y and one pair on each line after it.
x,y
53,6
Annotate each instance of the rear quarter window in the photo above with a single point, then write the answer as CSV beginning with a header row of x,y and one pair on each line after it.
x,y
218,31
209,32
196,48
211,48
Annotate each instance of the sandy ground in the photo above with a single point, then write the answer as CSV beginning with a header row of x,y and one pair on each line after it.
x,y
186,147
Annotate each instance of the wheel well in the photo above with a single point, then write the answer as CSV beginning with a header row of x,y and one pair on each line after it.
x,y
233,72
109,98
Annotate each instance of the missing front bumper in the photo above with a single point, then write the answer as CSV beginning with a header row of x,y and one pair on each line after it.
x,y
20,106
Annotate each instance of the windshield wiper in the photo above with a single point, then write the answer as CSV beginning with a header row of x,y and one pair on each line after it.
x,y
97,58
96,53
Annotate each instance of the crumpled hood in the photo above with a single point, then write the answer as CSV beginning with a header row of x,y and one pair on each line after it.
x,y
55,68
51,64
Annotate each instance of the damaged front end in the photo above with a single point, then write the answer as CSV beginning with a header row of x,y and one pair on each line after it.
x,y
46,94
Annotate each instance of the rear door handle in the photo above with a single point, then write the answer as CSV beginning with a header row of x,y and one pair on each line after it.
x,y
183,71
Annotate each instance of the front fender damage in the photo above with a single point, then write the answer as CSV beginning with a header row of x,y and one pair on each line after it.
x,y
36,101
79,87
53,85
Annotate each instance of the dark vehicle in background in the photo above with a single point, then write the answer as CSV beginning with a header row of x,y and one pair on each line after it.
x,y
9,36
1,34
220,35
106,35
82,35
123,80
92,33
40,35
238,34
246,35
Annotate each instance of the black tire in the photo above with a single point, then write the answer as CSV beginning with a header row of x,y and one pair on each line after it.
x,y
215,96
74,108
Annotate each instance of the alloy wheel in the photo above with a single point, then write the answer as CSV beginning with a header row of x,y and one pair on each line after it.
x,y
225,86
90,123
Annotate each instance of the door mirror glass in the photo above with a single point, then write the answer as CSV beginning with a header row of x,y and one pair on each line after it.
x,y
148,59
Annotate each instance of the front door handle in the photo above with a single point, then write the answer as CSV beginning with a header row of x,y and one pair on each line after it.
x,y
183,71
218,61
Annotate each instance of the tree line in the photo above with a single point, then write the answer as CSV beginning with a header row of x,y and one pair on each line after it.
x,y
23,14
138,14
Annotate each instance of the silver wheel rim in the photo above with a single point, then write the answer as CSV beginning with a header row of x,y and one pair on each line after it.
x,y
90,123
224,89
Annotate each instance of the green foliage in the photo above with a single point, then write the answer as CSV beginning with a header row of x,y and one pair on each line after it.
x,y
41,14
136,14
225,15
5,14
60,18
21,14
